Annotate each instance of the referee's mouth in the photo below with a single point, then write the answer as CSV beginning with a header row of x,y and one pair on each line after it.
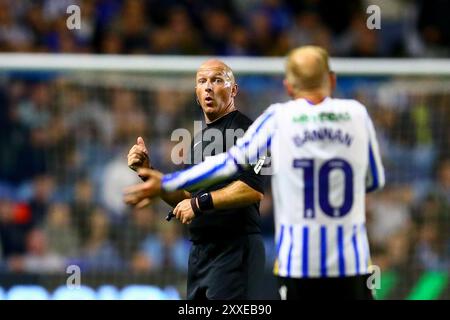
x,y
209,101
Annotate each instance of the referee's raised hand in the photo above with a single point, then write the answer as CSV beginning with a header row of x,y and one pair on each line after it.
x,y
138,155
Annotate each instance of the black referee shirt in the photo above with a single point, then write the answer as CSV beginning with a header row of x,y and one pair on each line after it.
x,y
223,224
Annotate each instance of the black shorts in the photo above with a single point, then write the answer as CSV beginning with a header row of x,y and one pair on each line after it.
x,y
345,288
226,270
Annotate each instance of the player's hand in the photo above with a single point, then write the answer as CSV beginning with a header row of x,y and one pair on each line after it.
x,y
138,156
183,211
138,194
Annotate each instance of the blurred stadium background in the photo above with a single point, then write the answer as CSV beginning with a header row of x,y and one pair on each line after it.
x,y
67,123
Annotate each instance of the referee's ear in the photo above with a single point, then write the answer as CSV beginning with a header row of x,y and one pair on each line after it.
x,y
234,90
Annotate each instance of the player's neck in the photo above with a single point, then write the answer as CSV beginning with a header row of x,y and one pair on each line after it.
x,y
313,97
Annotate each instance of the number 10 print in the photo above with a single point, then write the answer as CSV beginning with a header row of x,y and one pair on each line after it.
x,y
324,186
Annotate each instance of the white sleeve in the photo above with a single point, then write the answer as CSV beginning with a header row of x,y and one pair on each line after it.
x,y
255,142
375,179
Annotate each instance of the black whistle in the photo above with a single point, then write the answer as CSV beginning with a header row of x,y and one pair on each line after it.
x,y
170,216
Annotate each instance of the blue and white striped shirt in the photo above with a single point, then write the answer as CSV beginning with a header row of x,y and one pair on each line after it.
x,y
324,158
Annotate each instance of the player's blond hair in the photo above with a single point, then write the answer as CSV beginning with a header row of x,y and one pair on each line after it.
x,y
307,68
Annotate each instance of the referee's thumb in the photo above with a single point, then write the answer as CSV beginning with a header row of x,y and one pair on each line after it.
x,y
141,142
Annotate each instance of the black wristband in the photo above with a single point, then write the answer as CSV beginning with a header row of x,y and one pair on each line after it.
x,y
205,202
195,208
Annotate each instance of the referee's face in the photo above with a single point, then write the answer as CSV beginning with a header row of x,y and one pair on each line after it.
x,y
215,90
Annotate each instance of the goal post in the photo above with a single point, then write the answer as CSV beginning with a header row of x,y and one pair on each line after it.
x,y
189,64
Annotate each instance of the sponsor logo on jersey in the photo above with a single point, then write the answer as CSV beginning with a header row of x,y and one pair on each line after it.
x,y
322,117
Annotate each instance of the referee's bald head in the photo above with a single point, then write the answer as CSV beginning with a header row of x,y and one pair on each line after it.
x,y
218,65
308,69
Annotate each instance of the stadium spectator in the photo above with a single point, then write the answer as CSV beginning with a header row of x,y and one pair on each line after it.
x,y
99,253
408,28
433,241
60,232
43,194
131,233
443,181
115,176
38,256
167,250
14,225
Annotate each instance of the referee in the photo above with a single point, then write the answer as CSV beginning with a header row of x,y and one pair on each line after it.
x,y
227,256
325,159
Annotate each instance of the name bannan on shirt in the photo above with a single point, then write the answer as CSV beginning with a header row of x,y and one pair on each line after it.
x,y
323,134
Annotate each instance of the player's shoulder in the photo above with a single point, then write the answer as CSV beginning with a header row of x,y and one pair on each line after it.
x,y
349,105
278,107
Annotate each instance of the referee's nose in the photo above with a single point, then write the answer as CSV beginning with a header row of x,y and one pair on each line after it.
x,y
208,87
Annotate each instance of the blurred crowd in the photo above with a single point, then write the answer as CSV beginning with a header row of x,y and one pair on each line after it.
x,y
409,221
415,28
63,168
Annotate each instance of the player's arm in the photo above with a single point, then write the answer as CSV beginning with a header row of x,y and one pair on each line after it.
x,y
247,189
375,178
255,142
